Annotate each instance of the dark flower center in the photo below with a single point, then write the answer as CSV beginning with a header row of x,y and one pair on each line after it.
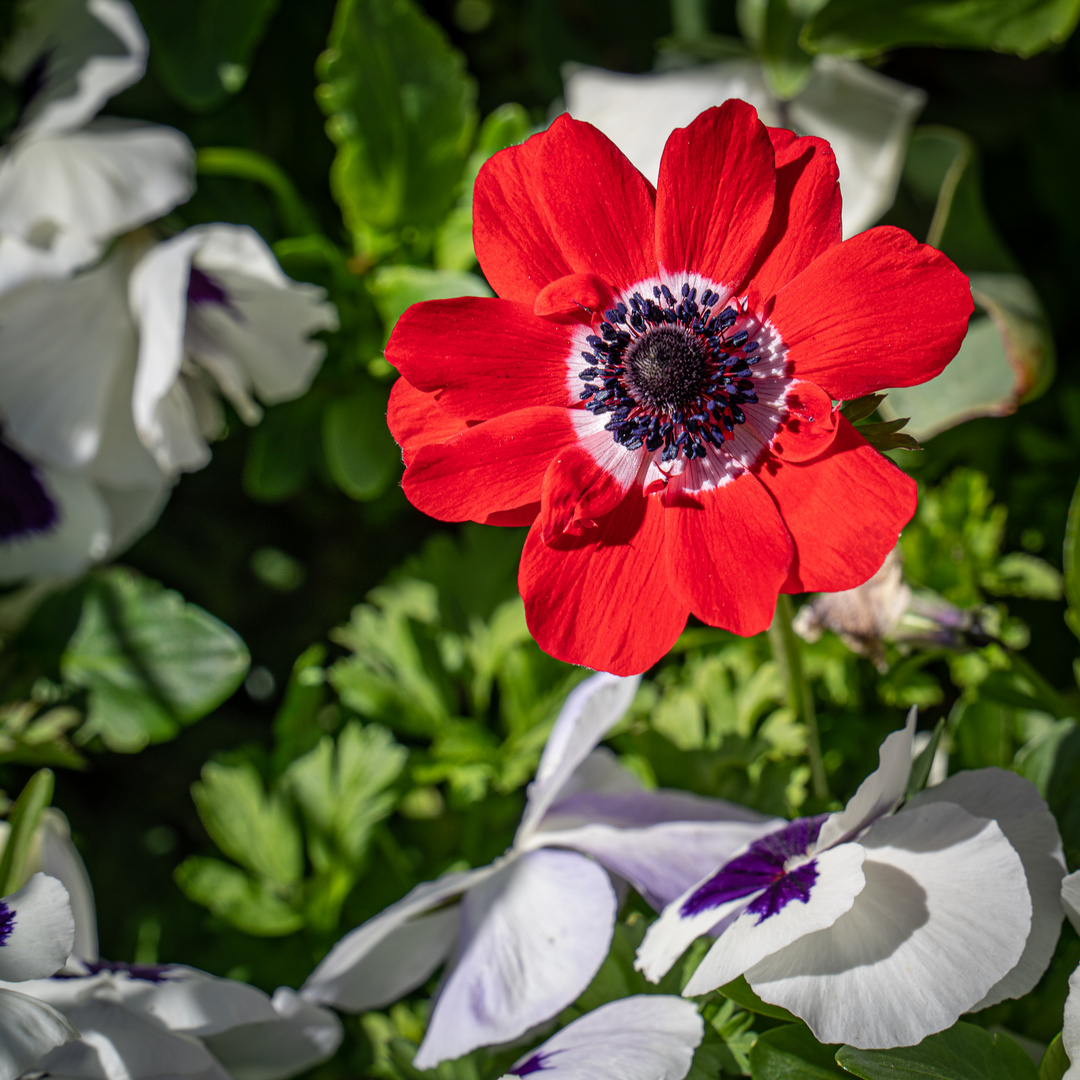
x,y
763,869
25,506
673,373
7,922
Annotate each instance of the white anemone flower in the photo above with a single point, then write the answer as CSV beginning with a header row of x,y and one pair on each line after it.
x,y
876,925
36,934
68,183
865,117
645,1037
523,937
140,1021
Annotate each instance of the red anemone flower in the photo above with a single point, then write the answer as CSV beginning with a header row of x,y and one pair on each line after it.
x,y
653,391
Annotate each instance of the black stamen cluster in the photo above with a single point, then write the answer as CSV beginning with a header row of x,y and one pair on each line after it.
x,y
672,374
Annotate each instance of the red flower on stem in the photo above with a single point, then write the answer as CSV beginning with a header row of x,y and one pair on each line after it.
x,y
653,390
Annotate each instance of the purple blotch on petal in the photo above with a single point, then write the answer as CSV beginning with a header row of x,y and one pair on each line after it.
x,y
7,922
154,973
794,885
538,1062
761,867
25,506
204,289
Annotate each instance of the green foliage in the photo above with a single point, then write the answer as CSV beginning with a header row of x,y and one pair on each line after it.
x,y
1071,560
203,48
862,28
23,819
1055,1062
360,454
792,1053
148,661
964,1052
787,65
402,116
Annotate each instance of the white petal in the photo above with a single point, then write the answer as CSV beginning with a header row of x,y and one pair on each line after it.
x,y
752,937
342,977
533,936
82,535
300,1036
60,859
93,49
592,708
117,1044
29,1029
661,861
1029,826
879,794
866,118
1070,898
64,346
639,112
646,1037
71,193
133,511
1070,1033
945,913
39,930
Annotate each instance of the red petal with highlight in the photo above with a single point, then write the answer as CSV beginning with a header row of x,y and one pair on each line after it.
x,y
604,603
714,200
575,294
805,220
484,357
513,243
576,493
599,207
492,467
810,426
728,554
845,510
414,419
876,311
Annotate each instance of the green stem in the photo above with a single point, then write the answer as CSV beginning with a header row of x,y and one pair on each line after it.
x,y
787,649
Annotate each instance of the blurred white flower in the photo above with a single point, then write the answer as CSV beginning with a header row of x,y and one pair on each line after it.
x,y
109,384
865,116
1070,1033
36,933
69,183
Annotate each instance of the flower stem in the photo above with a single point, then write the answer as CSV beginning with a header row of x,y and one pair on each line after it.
x,y
787,649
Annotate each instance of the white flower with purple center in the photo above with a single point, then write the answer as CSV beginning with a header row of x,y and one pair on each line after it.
x,y
646,1037
522,938
36,934
876,925
68,183
139,1021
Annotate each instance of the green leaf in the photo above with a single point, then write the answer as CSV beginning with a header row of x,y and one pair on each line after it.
x,y
964,1052
149,661
920,767
277,467
740,992
202,49
859,28
402,115
787,65
1021,574
236,897
395,288
360,452
23,820
250,826
1055,1062
1071,559
792,1053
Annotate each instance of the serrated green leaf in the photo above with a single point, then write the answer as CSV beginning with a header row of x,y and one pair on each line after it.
x,y
792,1053
360,452
402,115
859,28
202,49
964,1052
861,408
251,826
149,661
236,897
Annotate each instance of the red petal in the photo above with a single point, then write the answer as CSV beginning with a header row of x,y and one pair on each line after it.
x,y
715,195
522,515
415,418
728,555
806,214
845,510
492,467
810,426
599,208
878,310
485,357
574,294
576,493
606,603
513,243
